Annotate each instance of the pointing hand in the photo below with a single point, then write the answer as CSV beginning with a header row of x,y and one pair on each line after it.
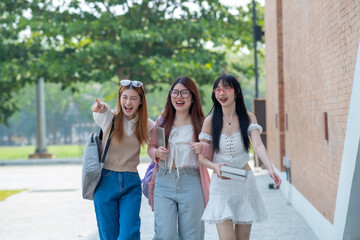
x,y
97,106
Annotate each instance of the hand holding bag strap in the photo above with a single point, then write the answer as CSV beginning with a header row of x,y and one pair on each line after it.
x,y
108,142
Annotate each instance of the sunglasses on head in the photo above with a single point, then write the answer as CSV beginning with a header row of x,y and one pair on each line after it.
x,y
131,82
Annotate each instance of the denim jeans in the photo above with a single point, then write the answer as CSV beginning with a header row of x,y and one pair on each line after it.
x,y
178,205
117,200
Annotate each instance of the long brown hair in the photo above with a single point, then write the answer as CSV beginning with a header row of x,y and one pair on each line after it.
x,y
141,129
195,110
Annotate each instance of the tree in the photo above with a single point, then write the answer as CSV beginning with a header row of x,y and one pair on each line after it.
x,y
151,40
22,123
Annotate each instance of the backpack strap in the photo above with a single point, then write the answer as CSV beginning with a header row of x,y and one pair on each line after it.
x,y
160,121
108,141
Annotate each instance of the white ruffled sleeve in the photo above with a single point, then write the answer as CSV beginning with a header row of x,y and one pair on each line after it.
x,y
104,119
205,136
254,126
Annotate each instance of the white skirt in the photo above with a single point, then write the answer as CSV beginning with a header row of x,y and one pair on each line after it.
x,y
234,200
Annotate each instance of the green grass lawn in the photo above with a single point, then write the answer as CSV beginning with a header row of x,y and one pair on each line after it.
x,y
7,193
60,151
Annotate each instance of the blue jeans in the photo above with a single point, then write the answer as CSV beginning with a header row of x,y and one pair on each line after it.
x,y
178,205
117,201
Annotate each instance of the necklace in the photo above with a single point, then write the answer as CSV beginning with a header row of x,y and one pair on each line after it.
x,y
229,122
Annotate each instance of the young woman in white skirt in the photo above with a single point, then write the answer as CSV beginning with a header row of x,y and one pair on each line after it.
x,y
233,204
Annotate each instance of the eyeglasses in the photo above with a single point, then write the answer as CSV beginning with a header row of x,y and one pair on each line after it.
x,y
227,89
183,93
131,82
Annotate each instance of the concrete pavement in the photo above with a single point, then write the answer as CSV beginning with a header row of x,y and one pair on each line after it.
x,y
52,206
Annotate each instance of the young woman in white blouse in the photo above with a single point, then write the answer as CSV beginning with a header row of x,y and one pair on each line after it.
x,y
117,197
233,204
181,184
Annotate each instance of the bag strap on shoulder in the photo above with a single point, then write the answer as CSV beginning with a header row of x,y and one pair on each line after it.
x,y
160,121
108,141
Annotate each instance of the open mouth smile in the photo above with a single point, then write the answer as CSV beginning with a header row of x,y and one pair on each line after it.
x,y
180,103
128,109
223,99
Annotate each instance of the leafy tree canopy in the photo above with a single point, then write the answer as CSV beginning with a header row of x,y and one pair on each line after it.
x,y
91,40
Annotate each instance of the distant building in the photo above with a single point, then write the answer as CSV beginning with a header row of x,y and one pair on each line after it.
x,y
313,109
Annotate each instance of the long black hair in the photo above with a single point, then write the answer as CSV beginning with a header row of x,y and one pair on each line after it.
x,y
217,117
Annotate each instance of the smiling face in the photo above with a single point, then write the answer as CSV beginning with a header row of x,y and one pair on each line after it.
x,y
130,101
181,97
224,94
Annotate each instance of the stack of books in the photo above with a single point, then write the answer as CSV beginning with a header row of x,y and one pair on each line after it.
x,y
234,173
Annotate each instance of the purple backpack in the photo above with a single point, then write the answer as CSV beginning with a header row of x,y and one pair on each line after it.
x,y
147,178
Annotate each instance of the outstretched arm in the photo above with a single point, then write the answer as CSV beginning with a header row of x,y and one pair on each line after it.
x,y
102,114
260,150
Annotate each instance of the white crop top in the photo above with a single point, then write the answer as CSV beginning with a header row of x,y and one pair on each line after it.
x,y
180,151
231,148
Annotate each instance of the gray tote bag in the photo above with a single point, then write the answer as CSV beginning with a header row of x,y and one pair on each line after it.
x,y
93,163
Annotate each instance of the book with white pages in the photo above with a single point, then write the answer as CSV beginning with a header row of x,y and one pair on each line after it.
x,y
234,172
233,176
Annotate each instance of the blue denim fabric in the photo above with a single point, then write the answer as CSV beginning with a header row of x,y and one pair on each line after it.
x,y
178,205
117,201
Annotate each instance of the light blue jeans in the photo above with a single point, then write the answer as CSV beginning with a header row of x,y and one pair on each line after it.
x,y
117,200
178,205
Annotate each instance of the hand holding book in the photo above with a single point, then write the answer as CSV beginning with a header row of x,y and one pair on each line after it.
x,y
161,153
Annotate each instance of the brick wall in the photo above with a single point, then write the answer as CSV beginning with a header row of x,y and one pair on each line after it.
x,y
273,64
320,43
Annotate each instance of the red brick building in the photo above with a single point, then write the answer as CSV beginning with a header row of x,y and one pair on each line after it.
x,y
313,109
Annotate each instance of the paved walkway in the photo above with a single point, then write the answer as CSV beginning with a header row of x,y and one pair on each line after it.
x,y
52,207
